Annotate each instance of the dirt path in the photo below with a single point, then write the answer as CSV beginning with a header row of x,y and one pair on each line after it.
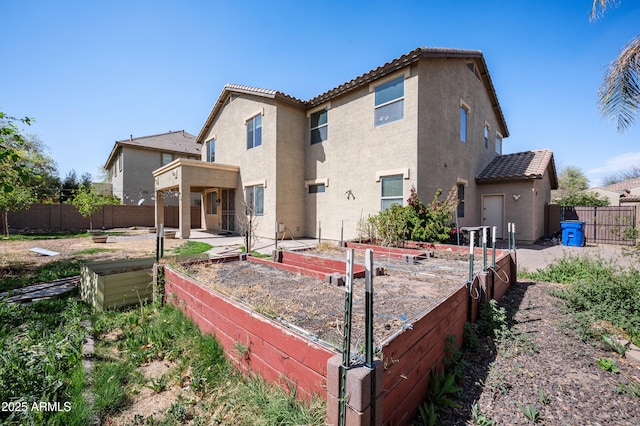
x,y
549,367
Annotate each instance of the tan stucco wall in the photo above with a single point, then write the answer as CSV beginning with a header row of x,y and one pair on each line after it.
x,y
355,152
257,165
527,211
135,181
443,159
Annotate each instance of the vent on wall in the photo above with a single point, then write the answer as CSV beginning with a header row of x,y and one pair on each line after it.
x,y
232,97
474,69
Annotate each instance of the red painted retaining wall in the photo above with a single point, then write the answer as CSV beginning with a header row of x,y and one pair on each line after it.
x,y
273,351
313,266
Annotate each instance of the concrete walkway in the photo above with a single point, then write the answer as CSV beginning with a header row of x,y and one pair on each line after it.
x,y
232,244
533,257
530,257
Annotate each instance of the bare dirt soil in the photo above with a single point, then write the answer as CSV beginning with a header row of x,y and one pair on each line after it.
x,y
548,367
17,259
401,296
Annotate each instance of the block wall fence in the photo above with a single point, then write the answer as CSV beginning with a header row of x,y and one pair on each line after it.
x,y
65,217
285,357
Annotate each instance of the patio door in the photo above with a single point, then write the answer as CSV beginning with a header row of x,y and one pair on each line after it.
x,y
493,213
228,203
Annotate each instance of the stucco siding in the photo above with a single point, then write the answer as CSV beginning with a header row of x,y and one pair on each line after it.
x,y
355,152
444,160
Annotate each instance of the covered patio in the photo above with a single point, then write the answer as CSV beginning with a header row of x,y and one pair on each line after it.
x,y
186,176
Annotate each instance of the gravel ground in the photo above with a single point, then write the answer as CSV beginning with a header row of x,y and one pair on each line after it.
x,y
548,367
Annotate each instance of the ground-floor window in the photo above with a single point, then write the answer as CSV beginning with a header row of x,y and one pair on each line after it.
x,y
391,191
254,199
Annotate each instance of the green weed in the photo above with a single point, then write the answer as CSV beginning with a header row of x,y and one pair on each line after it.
x,y
608,364
478,418
530,412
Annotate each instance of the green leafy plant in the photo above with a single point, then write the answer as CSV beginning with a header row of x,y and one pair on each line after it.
x,y
542,397
478,418
608,364
631,389
89,202
530,412
428,414
158,384
416,221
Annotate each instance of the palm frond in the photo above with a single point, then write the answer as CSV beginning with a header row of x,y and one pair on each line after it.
x,y
619,93
599,7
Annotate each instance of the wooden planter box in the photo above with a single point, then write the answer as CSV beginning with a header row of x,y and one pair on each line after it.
x,y
116,284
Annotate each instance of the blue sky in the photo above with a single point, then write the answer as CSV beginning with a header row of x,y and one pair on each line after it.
x,y
91,73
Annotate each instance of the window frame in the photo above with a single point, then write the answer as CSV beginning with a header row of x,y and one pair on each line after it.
x,y
464,122
319,127
318,188
382,105
385,199
487,129
252,132
498,145
210,153
257,210
163,161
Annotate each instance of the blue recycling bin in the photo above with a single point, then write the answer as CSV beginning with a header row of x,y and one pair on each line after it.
x,y
572,233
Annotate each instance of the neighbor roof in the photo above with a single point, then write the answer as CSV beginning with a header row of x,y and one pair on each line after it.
x,y
624,185
175,142
379,72
520,166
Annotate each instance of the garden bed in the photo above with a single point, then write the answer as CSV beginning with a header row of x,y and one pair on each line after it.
x,y
301,302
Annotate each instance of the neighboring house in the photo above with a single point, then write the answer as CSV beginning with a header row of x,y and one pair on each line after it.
x,y
132,161
429,119
620,193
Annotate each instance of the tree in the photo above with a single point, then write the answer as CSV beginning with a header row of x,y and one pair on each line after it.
x,y
46,183
89,202
19,198
632,173
619,92
572,180
11,139
583,199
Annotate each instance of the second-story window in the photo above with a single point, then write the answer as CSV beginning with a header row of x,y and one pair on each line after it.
x,y
389,101
166,158
486,136
319,126
254,132
211,151
498,144
464,112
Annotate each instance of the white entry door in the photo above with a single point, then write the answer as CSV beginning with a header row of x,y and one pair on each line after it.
x,y
493,213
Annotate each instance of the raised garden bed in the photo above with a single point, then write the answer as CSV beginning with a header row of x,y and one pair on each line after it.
x,y
417,305
115,284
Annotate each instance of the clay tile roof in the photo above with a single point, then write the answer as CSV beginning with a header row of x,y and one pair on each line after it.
x,y
370,76
622,186
519,166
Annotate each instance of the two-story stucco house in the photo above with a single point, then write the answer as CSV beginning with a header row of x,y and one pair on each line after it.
x,y
429,119
132,161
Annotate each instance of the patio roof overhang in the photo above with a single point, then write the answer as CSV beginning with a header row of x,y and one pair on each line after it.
x,y
195,175
188,176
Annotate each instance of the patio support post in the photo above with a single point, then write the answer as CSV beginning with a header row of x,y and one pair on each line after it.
x,y
184,210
